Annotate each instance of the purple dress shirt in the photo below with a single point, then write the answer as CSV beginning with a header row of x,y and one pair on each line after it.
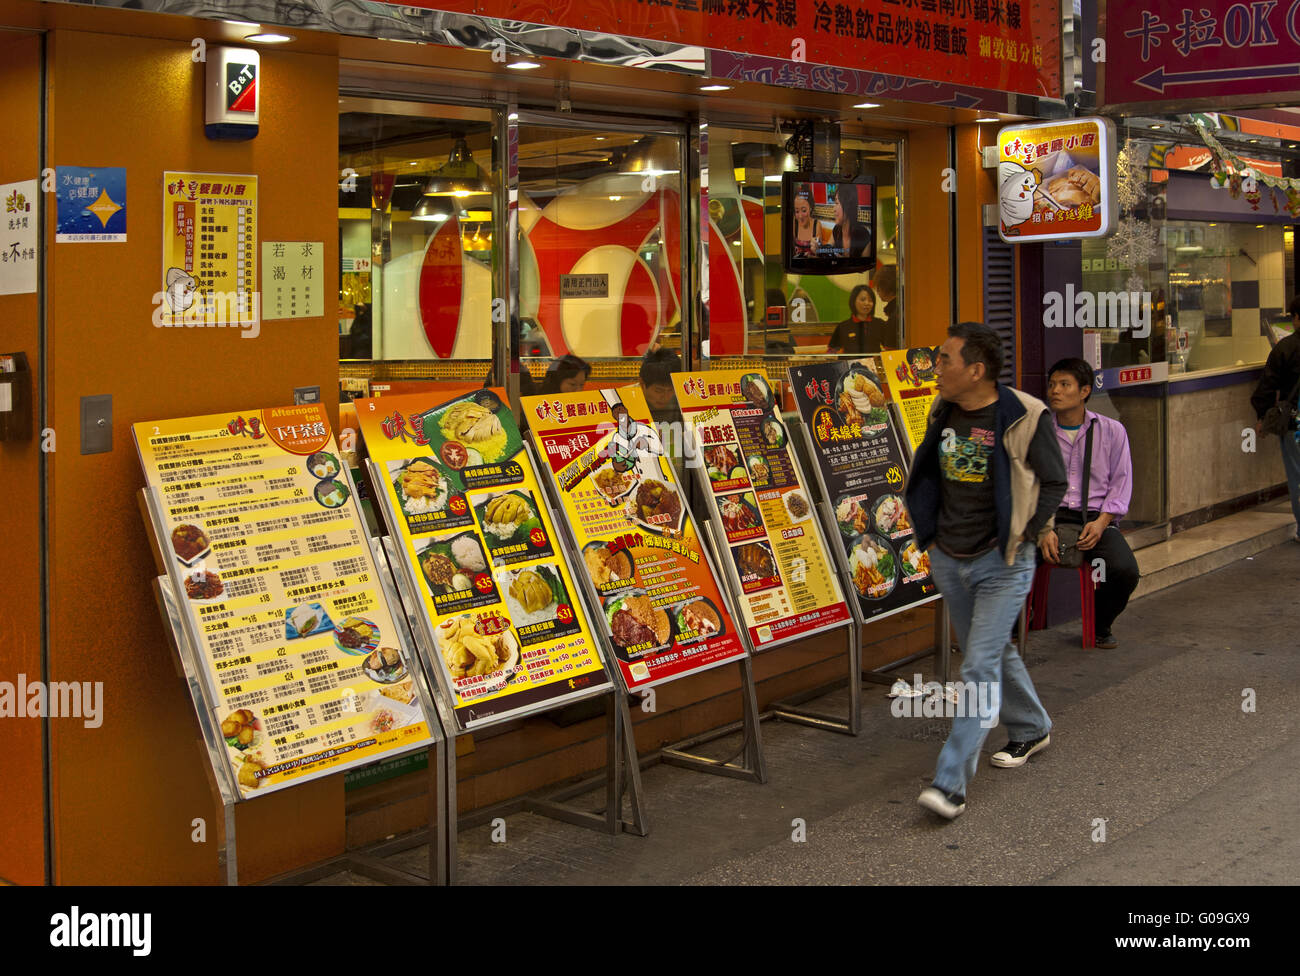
x,y
1111,484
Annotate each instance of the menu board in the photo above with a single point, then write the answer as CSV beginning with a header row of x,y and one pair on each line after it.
x,y
859,462
663,610
270,561
910,376
464,504
760,506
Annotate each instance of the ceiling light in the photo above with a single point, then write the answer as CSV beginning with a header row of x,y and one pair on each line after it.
x,y
523,65
1259,226
431,209
867,105
599,138
1156,125
459,176
988,118
241,23
615,198
268,38
714,88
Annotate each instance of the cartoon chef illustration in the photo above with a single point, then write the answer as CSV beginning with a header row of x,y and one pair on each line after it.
x,y
1016,186
180,290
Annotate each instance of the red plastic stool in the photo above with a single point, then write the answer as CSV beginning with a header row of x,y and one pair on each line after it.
x,y
1038,601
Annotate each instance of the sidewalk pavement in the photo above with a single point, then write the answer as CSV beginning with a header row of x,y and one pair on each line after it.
x,y
1150,739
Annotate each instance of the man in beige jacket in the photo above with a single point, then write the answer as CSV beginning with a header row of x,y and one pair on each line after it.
x,y
985,484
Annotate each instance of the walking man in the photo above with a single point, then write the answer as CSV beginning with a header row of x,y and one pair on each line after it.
x,y
985,484
1107,471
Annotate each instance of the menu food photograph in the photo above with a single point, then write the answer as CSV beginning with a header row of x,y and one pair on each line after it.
x,y
858,461
760,505
664,612
281,596
479,545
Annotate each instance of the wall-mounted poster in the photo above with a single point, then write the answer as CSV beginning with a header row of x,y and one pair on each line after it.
x,y
209,269
18,248
760,506
910,375
859,463
465,507
90,204
270,561
663,609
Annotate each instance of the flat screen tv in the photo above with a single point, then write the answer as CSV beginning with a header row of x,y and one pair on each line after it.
x,y
828,223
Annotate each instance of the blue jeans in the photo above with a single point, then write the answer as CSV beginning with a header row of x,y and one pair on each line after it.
x,y
1291,461
984,596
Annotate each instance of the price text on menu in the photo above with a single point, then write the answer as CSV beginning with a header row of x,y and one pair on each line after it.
x,y
271,561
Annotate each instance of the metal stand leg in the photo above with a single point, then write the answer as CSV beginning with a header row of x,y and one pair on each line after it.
x,y
754,765
227,854
792,712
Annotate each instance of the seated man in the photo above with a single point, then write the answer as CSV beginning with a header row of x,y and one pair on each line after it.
x,y
1110,484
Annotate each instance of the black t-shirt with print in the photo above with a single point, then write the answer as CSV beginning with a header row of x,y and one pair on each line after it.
x,y
968,515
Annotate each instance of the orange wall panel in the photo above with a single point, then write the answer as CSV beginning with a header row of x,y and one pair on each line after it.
x,y
22,814
927,284
124,795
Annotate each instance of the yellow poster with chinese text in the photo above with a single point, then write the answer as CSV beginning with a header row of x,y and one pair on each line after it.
x,y
209,269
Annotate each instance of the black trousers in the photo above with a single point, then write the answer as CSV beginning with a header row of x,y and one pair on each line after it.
x,y
1119,565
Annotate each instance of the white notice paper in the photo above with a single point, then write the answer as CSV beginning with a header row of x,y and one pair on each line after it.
x,y
18,237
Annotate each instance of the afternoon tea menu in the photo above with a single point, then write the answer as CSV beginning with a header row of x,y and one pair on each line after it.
x,y
663,610
760,506
462,500
270,562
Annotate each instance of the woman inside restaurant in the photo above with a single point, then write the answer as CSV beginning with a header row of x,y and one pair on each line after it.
x,y
861,332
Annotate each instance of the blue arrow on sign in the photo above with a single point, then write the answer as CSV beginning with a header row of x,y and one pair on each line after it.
x,y
1158,80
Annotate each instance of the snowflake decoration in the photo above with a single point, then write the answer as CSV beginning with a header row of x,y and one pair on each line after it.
x,y
1131,176
1134,243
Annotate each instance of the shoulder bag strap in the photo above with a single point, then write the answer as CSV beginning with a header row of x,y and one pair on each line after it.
x,y
1087,470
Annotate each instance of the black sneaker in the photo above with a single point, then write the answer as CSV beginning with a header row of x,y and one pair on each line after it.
x,y
946,805
1015,754
1107,641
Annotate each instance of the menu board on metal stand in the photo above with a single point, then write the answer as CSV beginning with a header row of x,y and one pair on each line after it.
x,y
768,534
279,597
664,613
502,613
859,465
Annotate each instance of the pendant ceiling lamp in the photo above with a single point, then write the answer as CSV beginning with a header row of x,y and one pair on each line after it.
x,y
459,176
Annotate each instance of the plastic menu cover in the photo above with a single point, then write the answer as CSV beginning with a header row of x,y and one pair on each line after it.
x,y
271,564
663,610
910,376
465,507
761,506
859,462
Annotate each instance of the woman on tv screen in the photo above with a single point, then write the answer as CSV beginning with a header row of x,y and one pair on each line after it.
x,y
809,234
850,236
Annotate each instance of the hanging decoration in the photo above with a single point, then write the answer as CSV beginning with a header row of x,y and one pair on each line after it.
x,y
1136,240
1240,178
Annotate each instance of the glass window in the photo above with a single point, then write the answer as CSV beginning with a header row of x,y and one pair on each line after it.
x,y
757,311
417,226
600,253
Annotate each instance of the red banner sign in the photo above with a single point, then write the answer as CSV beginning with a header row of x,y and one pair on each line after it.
x,y
1003,45
1168,50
